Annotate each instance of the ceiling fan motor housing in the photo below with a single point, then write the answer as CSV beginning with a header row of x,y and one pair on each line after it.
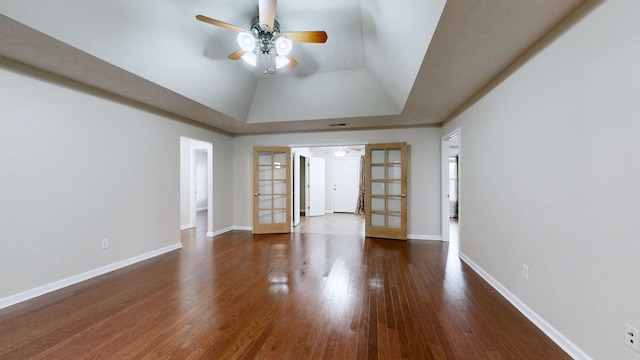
x,y
265,36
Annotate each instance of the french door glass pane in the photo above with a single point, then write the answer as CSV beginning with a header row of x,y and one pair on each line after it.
x,y
377,172
265,172
394,204
377,219
279,216
264,158
394,172
395,156
394,221
279,172
377,204
394,188
377,156
264,187
377,188
279,202
279,158
265,202
264,217
280,187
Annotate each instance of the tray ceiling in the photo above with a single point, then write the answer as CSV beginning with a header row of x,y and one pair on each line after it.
x,y
384,65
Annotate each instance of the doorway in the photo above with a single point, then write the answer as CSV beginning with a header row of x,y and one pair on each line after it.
x,y
334,158
450,185
196,185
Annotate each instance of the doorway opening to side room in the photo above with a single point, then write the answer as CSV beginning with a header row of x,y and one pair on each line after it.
x,y
326,188
196,186
450,194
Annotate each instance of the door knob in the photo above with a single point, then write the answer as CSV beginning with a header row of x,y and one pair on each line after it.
x,y
404,195
256,194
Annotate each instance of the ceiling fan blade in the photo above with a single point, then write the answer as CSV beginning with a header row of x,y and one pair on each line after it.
x,y
237,55
292,62
267,12
222,24
306,36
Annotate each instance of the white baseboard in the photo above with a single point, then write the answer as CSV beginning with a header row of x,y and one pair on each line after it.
x,y
57,285
555,335
185,227
424,237
243,228
219,232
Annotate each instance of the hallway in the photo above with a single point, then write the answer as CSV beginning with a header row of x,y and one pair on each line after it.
x,y
332,224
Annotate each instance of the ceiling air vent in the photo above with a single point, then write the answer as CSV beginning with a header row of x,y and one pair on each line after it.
x,y
338,124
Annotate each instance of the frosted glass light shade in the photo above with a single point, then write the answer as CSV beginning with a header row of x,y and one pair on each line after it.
x,y
283,45
246,41
250,58
281,61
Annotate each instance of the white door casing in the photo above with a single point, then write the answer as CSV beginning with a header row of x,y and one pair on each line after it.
x,y
296,189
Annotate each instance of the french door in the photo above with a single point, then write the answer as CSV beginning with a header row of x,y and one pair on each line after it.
x,y
271,190
386,191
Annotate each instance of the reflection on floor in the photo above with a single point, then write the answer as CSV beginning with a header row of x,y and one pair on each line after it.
x,y
453,230
333,224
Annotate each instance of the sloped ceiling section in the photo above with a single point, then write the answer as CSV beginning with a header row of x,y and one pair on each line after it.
x,y
161,41
385,64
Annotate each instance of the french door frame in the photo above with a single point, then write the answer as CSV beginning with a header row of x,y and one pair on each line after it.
x,y
271,189
386,191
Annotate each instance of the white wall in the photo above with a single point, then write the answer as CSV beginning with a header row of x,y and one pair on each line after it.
x,y
79,166
423,171
549,178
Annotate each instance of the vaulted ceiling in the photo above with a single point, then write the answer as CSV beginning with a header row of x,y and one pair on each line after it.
x,y
385,64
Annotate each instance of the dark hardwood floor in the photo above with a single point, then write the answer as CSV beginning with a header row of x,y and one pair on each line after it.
x,y
293,296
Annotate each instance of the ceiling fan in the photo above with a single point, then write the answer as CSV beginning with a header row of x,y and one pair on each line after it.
x,y
340,150
264,44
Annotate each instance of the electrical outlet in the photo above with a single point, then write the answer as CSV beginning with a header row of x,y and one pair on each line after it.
x,y
525,272
632,337
104,244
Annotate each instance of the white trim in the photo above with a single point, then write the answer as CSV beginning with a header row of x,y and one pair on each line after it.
x,y
219,232
185,227
192,184
75,279
555,335
424,237
243,228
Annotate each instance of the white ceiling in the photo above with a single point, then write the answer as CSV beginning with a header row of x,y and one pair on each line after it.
x,y
374,71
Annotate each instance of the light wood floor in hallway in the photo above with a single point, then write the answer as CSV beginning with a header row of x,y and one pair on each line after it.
x,y
290,296
332,224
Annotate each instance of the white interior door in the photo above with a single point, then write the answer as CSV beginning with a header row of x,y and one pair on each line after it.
x,y
316,186
296,189
345,185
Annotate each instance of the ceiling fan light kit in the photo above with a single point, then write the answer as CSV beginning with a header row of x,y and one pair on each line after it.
x,y
263,44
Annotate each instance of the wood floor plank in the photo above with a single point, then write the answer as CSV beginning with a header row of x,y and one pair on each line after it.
x,y
288,296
